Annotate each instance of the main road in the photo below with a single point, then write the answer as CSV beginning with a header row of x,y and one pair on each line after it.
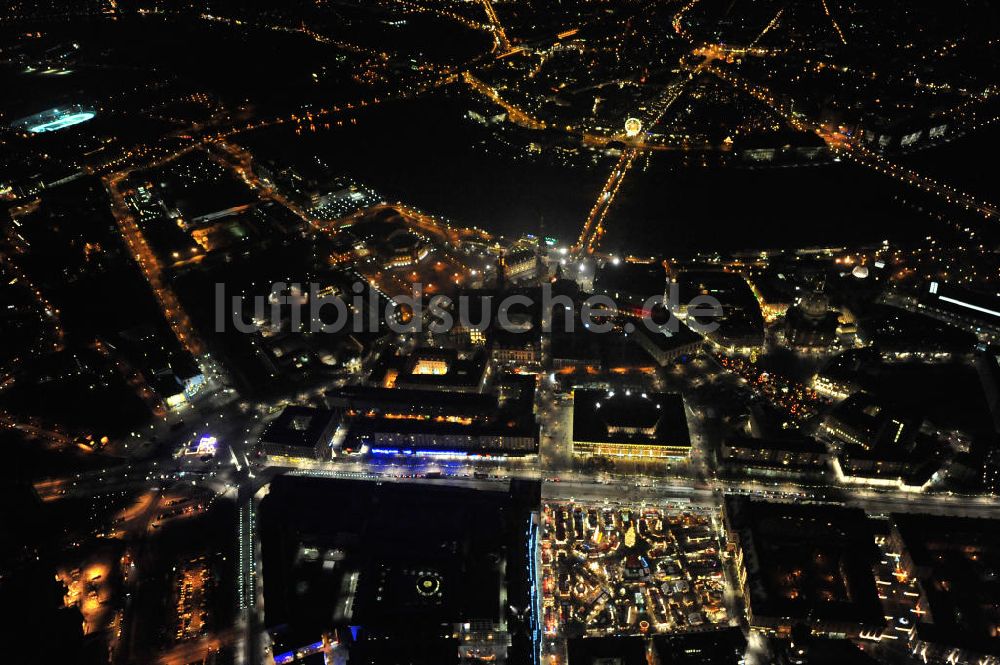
x,y
601,486
233,477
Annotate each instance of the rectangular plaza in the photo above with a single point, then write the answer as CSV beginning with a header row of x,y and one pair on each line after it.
x,y
613,569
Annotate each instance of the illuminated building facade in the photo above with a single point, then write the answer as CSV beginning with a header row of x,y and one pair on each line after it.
x,y
405,249
434,369
520,263
438,424
443,439
860,420
879,446
515,348
897,468
433,366
774,457
630,423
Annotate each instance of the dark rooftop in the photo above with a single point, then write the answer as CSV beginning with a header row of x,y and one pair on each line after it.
x,y
802,444
393,400
630,416
956,562
298,426
607,651
398,561
807,564
718,647
632,280
668,340
432,368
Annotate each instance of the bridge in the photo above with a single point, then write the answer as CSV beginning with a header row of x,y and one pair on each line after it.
x,y
593,227
850,148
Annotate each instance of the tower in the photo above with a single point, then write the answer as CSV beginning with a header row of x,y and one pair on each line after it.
x,y
502,270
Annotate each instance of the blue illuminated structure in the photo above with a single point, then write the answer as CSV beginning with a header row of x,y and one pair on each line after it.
x,y
298,654
535,615
205,445
62,122
55,119
434,453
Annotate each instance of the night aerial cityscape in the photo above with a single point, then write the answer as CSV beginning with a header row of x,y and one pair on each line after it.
x,y
500,332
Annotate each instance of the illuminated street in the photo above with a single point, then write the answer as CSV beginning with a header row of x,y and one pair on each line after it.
x,y
451,332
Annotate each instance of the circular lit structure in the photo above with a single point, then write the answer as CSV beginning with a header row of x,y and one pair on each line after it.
x,y
428,584
632,127
860,272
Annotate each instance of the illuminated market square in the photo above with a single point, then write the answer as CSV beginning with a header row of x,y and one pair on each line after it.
x,y
610,569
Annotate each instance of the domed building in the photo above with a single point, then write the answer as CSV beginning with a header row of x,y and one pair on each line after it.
x,y
405,248
811,323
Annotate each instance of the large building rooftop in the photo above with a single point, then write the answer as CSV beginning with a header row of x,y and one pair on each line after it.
x,y
298,427
393,568
718,647
607,651
432,369
955,561
804,564
630,417
396,401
